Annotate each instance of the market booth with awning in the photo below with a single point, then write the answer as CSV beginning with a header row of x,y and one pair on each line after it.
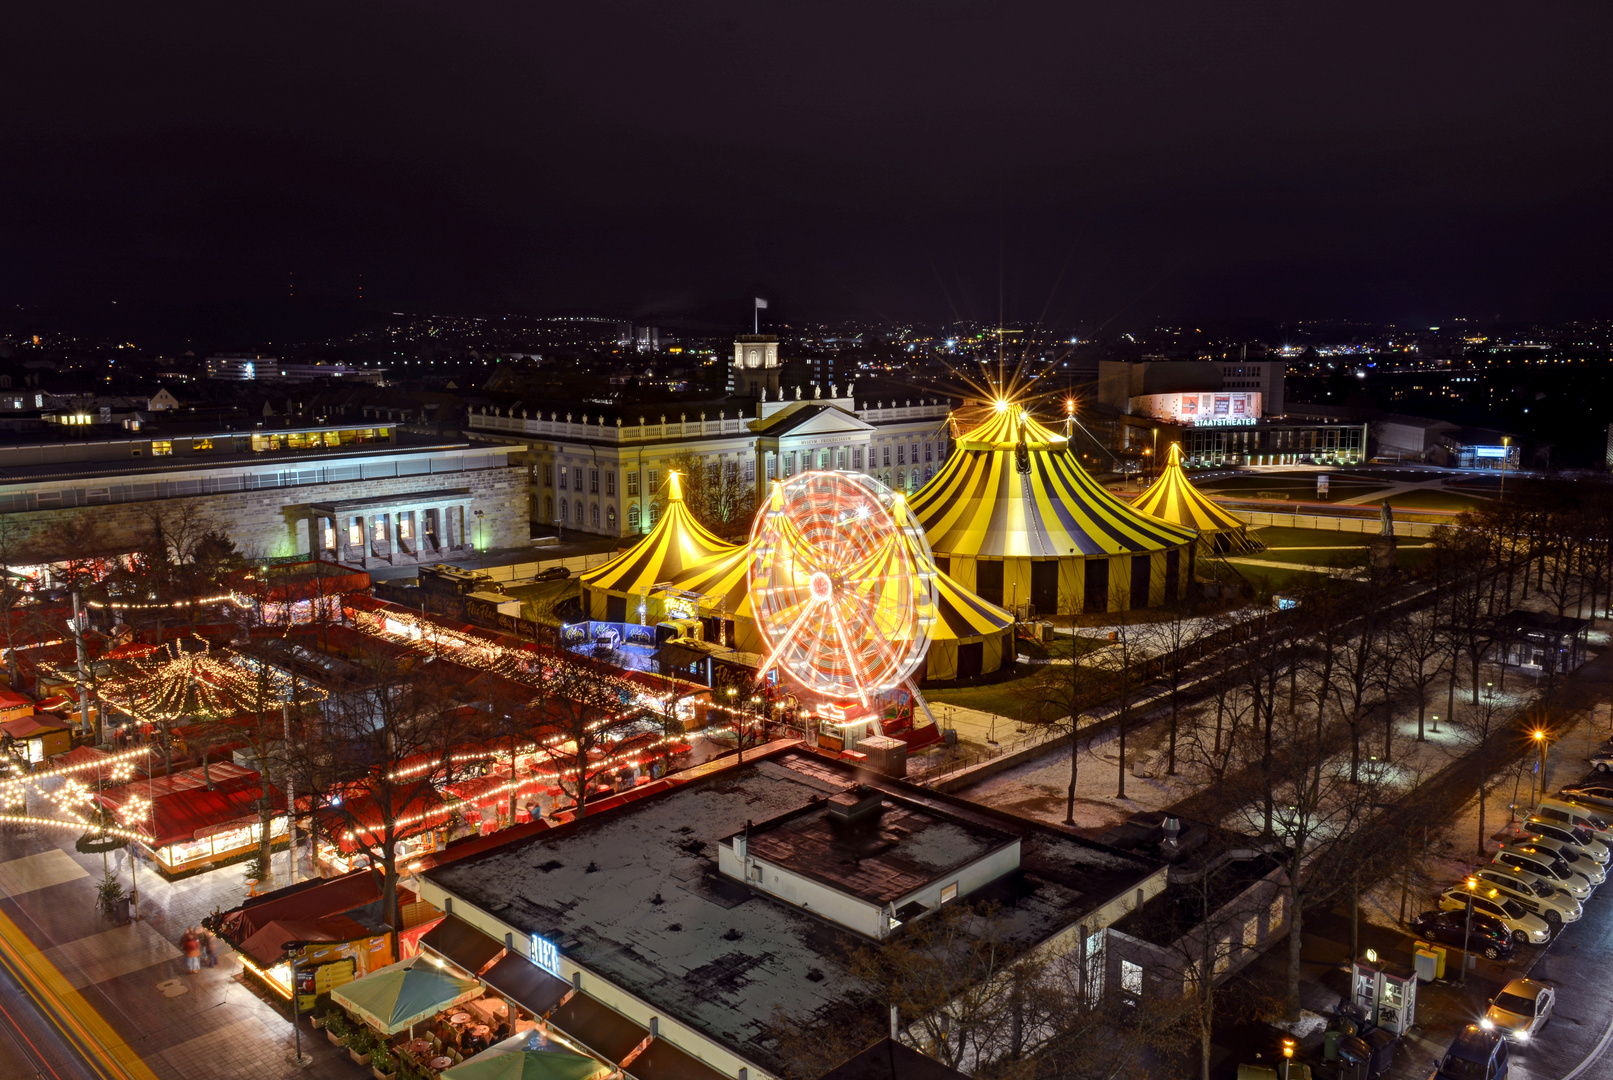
x,y
196,817
37,737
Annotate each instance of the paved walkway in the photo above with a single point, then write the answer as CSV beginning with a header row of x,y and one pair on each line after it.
x,y
208,1026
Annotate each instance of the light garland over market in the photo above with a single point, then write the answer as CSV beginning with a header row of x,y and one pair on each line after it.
x,y
168,683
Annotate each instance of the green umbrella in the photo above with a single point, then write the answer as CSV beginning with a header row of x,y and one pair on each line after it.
x,y
527,1065
398,995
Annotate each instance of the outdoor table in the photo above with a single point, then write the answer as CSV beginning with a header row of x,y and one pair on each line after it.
x,y
418,1047
441,1063
459,1019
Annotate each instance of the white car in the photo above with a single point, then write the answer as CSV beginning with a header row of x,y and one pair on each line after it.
x,y
1569,834
1533,892
1566,810
1520,1010
1547,865
1602,760
1488,900
1570,853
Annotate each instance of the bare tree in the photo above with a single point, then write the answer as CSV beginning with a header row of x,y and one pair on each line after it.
x,y
1174,640
1419,644
1057,697
376,764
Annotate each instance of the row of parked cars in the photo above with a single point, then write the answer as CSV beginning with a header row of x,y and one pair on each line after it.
x,y
1537,883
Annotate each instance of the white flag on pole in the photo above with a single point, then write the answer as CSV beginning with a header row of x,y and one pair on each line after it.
x,y
760,303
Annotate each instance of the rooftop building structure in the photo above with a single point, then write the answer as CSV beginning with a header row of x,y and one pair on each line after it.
x,y
691,914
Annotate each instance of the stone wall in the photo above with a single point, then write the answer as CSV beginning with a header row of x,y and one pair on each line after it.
x,y
267,522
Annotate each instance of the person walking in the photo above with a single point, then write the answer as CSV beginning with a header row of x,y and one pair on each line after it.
x,y
191,945
210,948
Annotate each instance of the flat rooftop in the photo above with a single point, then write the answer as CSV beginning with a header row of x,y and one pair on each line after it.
x,y
902,849
634,894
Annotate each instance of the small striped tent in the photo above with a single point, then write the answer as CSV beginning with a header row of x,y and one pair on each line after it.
x,y
1013,517
677,543
1173,498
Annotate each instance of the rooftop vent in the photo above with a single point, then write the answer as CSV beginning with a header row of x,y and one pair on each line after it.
x,y
861,803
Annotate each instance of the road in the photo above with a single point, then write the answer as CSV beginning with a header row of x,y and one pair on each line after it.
x,y
31,1046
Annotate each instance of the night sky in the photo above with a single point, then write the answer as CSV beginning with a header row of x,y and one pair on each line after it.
x,y
1104,164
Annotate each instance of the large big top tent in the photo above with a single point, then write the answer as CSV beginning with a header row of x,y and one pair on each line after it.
x,y
1173,498
677,543
1013,517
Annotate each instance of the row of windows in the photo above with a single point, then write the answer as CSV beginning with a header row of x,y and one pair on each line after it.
x,y
566,477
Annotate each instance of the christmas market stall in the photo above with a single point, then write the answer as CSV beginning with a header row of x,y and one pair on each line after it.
x,y
196,817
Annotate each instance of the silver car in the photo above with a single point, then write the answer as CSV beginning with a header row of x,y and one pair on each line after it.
x,y
1526,927
1520,1010
1547,865
1568,834
1572,854
1554,905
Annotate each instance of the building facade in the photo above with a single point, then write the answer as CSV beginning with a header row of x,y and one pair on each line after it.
x,y
601,470
357,495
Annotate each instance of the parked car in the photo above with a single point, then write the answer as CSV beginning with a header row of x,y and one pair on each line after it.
x,y
1475,1054
1489,939
1602,760
1534,893
1547,865
1571,853
1568,811
1527,927
1520,1010
554,573
1537,825
1596,793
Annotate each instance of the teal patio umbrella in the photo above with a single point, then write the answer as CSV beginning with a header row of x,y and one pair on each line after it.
x,y
399,995
527,1056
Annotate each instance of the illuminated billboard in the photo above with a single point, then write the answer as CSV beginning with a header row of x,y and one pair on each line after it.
x,y
1199,409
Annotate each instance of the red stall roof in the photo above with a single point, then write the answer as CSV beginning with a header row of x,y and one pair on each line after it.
x,y
194,812
26,727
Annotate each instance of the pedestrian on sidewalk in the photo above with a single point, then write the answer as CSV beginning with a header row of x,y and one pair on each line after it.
x,y
191,945
210,948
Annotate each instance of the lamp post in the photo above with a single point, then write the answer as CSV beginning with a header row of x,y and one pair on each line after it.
x,y
1288,1056
1154,452
1467,929
296,1057
478,530
1506,452
1539,736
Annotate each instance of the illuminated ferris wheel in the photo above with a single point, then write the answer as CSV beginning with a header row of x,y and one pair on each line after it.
x,y
841,585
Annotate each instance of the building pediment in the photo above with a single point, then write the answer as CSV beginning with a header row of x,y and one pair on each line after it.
x,y
811,418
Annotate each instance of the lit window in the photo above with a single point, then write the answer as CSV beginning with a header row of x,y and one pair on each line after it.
x,y
949,893
405,526
355,534
380,527
162,449
562,478
330,538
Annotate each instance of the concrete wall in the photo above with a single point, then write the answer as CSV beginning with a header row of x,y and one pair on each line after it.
x,y
273,522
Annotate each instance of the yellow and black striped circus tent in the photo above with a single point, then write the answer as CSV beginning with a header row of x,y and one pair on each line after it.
x,y
615,591
1013,517
969,637
1173,498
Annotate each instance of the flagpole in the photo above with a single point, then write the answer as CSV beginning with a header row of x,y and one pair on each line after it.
x,y
755,317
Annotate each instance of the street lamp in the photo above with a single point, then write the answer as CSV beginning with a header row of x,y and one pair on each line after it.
x,y
1288,1056
1506,452
1467,929
478,530
296,1057
1539,736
